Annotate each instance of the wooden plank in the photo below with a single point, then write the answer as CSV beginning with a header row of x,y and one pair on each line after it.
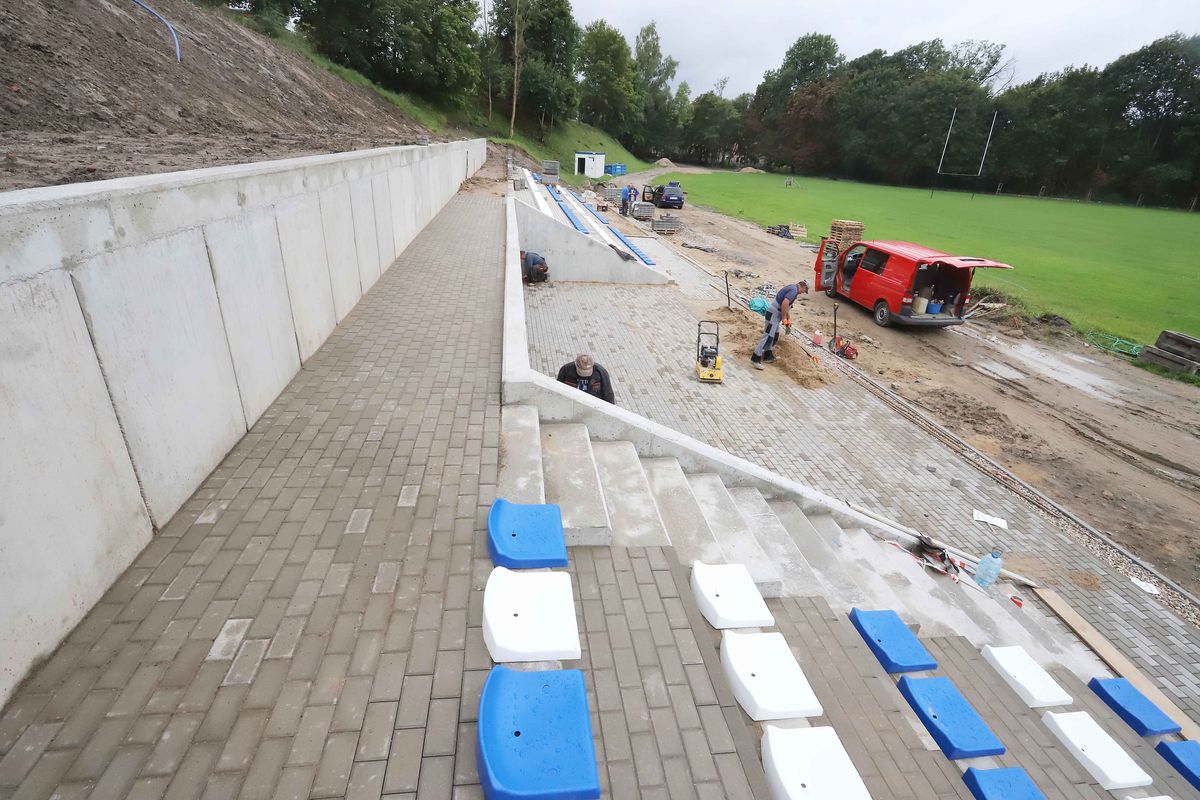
x,y
1115,659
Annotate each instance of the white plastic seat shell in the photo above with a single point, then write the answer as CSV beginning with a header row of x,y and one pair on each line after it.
x,y
765,678
1098,752
529,616
809,764
728,598
1026,677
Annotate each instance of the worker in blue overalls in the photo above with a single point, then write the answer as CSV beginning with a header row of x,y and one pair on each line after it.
x,y
778,313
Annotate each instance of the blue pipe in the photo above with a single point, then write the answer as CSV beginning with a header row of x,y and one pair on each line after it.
x,y
163,20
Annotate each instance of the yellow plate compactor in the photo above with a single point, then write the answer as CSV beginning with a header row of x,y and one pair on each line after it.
x,y
708,351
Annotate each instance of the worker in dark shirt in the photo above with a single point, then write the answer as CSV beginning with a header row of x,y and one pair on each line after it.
x,y
534,268
778,313
587,376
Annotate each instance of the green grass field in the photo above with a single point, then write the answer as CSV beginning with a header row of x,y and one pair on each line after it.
x,y
1129,271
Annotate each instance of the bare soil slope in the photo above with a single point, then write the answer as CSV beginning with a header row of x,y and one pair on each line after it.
x,y
91,90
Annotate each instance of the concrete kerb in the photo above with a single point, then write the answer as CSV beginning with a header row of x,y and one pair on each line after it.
x,y
606,422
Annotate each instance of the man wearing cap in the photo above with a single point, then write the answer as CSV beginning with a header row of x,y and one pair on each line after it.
x,y
587,376
778,313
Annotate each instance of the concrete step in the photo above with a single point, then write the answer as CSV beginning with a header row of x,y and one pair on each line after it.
x,y
862,559
799,578
573,483
733,532
685,524
520,478
632,512
823,552
944,601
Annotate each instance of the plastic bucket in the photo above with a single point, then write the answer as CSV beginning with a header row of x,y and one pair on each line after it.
x,y
935,308
920,304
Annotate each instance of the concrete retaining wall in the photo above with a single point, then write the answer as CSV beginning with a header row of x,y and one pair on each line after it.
x,y
574,256
145,324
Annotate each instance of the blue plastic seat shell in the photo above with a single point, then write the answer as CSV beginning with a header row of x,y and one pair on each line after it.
x,y
526,536
1003,783
956,727
897,649
535,737
1135,708
1184,757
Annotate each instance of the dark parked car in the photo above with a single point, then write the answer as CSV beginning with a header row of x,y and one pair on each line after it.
x,y
669,196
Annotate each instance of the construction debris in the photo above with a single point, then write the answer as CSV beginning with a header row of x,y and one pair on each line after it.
x,y
793,230
1176,351
705,248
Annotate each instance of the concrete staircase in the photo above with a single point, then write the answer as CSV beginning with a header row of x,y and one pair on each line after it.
x,y
610,495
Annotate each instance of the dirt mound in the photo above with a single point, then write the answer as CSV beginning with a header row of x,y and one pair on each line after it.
x,y
741,330
752,171
664,162
92,90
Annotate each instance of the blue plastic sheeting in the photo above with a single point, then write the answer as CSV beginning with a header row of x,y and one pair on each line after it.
x,y
897,649
535,737
1184,757
579,226
949,718
1005,783
526,536
1134,707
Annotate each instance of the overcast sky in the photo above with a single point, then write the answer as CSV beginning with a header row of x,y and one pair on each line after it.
x,y
741,39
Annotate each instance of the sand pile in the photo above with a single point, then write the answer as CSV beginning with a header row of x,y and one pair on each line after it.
x,y
664,162
752,170
741,330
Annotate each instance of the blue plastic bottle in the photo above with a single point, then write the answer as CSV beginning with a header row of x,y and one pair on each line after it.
x,y
989,568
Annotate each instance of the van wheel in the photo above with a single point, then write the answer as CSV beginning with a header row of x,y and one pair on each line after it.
x,y
883,314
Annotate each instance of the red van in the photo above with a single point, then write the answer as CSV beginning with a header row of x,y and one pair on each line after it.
x,y
901,282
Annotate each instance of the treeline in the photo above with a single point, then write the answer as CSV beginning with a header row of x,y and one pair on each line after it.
x,y
1127,132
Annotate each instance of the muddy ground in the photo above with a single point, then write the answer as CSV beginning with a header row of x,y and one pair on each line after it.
x,y
1118,446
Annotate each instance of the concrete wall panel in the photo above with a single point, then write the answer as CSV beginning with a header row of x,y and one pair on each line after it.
x,y
153,314
337,220
71,515
143,321
252,289
302,243
381,196
365,242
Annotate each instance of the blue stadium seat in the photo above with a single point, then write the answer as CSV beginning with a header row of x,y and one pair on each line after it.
x,y
949,718
526,536
1003,783
1134,707
897,649
1184,757
535,737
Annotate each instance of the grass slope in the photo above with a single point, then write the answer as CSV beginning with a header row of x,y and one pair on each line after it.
x,y
558,144
561,143
1129,271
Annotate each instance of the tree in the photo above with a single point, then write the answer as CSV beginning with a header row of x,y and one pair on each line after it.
x,y
609,96
658,130
549,35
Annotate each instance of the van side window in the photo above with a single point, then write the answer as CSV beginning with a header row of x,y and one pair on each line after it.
x,y
874,261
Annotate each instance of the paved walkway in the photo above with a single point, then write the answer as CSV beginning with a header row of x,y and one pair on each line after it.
x,y
309,624
838,439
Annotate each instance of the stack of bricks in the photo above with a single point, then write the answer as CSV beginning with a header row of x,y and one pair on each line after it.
x,y
845,232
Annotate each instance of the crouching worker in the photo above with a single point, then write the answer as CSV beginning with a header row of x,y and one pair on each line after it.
x,y
534,268
587,376
778,313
